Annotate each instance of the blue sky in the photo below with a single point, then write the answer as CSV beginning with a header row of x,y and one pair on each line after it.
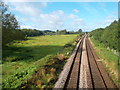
x,y
64,15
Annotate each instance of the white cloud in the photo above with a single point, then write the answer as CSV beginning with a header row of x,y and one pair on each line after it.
x,y
109,20
76,19
76,10
72,16
59,20
60,12
30,26
79,21
26,26
53,20
103,24
32,14
28,8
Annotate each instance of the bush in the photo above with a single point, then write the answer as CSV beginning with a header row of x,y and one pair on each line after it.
x,y
67,45
10,26
11,35
108,36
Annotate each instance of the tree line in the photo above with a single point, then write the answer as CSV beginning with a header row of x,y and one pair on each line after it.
x,y
35,32
109,36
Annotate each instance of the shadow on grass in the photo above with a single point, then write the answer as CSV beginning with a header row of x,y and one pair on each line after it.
x,y
28,53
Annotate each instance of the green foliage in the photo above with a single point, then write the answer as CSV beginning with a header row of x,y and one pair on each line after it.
x,y
32,32
97,34
61,32
67,45
11,35
109,59
9,22
108,36
80,31
46,76
22,58
10,26
49,32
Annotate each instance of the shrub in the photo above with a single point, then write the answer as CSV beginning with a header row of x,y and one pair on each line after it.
x,y
67,45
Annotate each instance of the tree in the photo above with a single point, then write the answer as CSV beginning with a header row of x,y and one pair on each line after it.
x,y
109,36
80,31
32,32
9,22
3,7
62,31
9,26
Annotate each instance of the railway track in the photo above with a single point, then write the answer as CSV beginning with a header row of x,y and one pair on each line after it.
x,y
84,69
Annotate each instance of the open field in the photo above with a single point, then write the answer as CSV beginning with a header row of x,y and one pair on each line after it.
x,y
55,45
22,58
109,59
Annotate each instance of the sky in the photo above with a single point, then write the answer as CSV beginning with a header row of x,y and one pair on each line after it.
x,y
64,15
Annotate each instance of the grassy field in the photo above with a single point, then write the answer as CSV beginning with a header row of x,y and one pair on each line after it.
x,y
22,59
109,60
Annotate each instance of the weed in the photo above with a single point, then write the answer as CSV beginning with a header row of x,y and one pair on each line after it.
x,y
37,55
110,60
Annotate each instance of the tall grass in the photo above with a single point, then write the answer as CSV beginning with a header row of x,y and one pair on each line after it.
x,y
21,59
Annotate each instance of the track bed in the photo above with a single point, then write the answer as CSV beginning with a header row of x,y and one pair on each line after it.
x,y
84,69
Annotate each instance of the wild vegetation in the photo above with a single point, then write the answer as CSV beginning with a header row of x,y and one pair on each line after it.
x,y
109,36
106,40
109,60
29,61
34,58
35,32
43,55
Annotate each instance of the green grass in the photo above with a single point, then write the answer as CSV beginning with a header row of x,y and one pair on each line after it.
x,y
22,58
109,60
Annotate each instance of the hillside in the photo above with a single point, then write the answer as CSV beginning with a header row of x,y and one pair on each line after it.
x,y
109,36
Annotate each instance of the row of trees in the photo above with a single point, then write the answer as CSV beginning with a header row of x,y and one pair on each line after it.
x,y
109,36
68,32
34,32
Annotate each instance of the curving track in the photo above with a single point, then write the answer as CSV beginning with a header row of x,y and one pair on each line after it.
x,y
84,69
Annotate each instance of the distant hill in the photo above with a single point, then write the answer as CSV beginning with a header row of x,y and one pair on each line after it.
x,y
49,32
109,35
